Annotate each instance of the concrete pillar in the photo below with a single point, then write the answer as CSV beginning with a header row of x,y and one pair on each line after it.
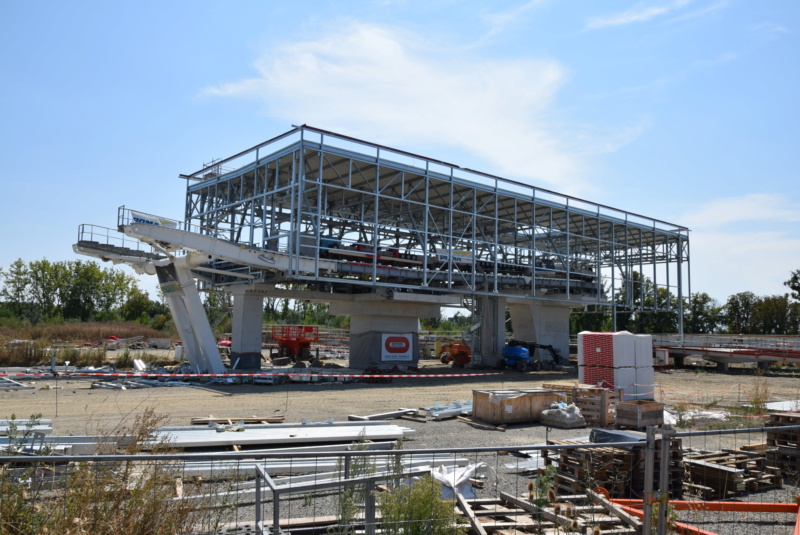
x,y
723,367
492,330
384,332
247,322
184,302
543,322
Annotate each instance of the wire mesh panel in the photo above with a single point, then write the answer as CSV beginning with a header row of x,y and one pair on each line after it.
x,y
664,481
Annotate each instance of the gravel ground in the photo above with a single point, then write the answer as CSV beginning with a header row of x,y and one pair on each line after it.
x,y
76,409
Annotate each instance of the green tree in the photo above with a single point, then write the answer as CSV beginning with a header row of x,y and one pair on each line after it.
x,y
771,315
645,308
703,314
794,284
590,318
739,311
49,286
16,285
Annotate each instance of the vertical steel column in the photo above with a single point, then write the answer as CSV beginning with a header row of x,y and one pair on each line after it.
x,y
450,248
680,284
568,264
258,498
655,272
369,507
496,248
649,469
319,204
375,206
426,214
664,479
534,226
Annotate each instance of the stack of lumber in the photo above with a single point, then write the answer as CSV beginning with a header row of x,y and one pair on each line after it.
x,y
727,473
784,446
581,469
675,468
619,470
516,515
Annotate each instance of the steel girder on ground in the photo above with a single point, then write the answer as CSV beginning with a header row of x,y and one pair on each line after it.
x,y
396,220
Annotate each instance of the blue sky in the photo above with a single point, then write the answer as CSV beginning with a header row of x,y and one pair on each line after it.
x,y
680,110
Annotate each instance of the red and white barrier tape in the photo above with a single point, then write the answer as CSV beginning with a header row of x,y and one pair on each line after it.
x,y
146,375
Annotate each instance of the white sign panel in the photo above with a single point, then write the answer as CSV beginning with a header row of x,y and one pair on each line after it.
x,y
396,348
147,219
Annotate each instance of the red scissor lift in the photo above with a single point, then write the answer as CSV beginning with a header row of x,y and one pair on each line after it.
x,y
294,341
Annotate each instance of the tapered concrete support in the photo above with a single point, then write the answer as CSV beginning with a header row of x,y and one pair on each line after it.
x,y
543,322
384,333
247,322
184,302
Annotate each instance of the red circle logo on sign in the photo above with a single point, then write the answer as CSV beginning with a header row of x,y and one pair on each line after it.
x,y
397,344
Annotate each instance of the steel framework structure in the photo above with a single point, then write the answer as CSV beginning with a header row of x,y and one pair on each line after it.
x,y
405,223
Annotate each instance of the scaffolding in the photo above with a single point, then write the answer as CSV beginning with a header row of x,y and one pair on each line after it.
x,y
393,221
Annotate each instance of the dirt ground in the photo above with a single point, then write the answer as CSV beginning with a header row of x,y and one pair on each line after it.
x,y
77,409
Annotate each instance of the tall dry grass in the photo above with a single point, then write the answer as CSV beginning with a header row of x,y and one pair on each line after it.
x,y
138,497
80,333
66,342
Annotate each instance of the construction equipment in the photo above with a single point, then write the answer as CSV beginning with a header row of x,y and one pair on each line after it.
x,y
518,357
294,341
456,352
546,358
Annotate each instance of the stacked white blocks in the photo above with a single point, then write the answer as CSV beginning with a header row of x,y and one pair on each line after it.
x,y
621,359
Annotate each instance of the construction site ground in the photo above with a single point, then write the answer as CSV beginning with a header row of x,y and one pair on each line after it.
x,y
77,409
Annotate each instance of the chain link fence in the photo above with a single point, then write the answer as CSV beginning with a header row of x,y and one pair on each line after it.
x,y
611,481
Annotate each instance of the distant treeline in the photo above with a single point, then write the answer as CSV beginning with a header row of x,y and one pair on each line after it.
x,y
742,313
42,291
51,292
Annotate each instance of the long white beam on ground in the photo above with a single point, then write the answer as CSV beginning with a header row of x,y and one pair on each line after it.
x,y
296,435
317,467
381,445
278,426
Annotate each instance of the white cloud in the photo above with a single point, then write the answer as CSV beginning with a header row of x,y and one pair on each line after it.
x,y
638,13
498,22
699,12
751,208
726,263
746,243
769,30
723,58
393,87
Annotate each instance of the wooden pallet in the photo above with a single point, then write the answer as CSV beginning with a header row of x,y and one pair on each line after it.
x,y
596,404
515,515
618,470
727,473
784,452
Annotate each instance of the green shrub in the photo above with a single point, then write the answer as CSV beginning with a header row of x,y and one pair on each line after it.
x,y
418,510
131,497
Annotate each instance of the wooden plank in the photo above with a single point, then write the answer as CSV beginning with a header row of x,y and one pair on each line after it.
x,y
481,425
616,510
470,514
547,515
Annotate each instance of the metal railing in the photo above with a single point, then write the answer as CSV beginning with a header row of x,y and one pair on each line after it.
x,y
281,492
